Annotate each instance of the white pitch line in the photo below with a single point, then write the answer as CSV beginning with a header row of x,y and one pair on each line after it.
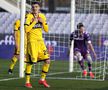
x,y
50,74
9,79
57,73
59,78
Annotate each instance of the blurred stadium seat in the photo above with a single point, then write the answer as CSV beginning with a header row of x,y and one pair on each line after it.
x,y
60,22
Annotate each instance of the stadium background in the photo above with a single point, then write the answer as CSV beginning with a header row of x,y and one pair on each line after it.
x,y
58,15
55,12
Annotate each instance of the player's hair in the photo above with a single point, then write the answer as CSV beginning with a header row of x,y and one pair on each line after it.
x,y
36,2
79,25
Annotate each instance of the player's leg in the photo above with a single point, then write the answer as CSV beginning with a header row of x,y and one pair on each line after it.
x,y
28,72
12,64
89,60
25,51
14,60
31,59
25,60
80,61
45,68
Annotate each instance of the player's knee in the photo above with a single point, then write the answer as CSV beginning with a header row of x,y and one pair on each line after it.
x,y
89,59
79,56
14,59
75,57
47,61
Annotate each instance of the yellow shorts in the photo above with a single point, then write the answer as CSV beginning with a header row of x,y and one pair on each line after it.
x,y
37,51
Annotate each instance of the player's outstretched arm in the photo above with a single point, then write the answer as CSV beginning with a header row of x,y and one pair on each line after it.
x,y
92,49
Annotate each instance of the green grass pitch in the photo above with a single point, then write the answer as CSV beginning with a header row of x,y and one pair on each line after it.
x,y
56,84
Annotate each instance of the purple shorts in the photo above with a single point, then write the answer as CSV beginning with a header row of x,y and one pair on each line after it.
x,y
83,52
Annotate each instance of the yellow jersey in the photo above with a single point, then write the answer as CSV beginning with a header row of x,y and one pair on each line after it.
x,y
17,33
17,36
33,28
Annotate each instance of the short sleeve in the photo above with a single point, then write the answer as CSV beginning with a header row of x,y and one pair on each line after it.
x,y
87,37
27,19
42,16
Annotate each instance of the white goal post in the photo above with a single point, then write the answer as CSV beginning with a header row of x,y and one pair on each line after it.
x,y
23,10
72,29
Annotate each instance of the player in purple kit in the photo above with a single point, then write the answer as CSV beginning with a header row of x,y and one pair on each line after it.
x,y
82,46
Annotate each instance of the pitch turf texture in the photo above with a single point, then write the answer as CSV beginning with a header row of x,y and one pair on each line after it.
x,y
56,84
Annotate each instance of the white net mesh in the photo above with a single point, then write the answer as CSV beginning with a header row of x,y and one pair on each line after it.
x,y
93,14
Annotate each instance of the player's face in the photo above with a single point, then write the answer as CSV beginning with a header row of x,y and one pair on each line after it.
x,y
35,8
82,29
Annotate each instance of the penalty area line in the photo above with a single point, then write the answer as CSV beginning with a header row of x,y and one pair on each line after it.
x,y
8,79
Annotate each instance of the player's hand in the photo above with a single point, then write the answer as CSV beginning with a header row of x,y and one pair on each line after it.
x,y
40,20
95,56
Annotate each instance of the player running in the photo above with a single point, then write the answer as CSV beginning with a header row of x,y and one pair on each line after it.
x,y
82,45
34,24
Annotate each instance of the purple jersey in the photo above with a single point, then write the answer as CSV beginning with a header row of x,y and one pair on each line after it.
x,y
80,41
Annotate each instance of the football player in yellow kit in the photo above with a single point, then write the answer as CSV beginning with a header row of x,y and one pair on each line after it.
x,y
36,50
17,46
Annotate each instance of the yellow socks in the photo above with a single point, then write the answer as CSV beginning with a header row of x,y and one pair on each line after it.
x,y
28,72
45,69
13,62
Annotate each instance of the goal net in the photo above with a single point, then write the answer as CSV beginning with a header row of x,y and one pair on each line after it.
x,y
93,14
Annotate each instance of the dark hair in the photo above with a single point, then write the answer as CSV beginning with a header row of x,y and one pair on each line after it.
x,y
79,25
36,2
